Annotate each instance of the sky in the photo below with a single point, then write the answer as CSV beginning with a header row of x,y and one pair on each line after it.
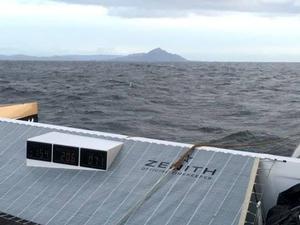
x,y
201,30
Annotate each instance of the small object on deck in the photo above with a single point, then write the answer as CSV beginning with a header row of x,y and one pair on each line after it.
x,y
68,151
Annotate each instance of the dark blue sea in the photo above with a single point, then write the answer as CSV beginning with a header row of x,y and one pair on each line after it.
x,y
254,104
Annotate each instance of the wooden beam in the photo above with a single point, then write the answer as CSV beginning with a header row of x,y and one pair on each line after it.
x,y
19,111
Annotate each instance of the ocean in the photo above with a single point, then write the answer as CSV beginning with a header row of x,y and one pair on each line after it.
x,y
256,105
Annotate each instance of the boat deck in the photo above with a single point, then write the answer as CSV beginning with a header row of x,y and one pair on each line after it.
x,y
212,188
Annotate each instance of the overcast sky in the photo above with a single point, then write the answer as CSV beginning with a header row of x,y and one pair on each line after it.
x,y
208,30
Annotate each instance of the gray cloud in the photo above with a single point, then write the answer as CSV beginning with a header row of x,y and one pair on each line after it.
x,y
179,8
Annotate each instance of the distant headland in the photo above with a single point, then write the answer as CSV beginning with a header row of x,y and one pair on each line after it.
x,y
155,55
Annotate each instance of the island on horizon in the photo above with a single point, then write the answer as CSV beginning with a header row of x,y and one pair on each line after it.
x,y
155,55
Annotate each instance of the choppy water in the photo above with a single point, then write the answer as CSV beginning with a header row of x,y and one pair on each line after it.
x,y
250,103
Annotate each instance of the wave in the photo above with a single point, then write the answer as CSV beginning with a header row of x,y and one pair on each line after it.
x,y
258,142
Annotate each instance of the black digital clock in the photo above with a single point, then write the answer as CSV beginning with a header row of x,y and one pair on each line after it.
x,y
65,155
39,151
93,158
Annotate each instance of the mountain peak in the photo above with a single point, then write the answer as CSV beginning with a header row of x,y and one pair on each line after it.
x,y
157,50
155,55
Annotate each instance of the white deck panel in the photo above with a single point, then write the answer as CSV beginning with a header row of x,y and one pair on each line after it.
x,y
210,188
